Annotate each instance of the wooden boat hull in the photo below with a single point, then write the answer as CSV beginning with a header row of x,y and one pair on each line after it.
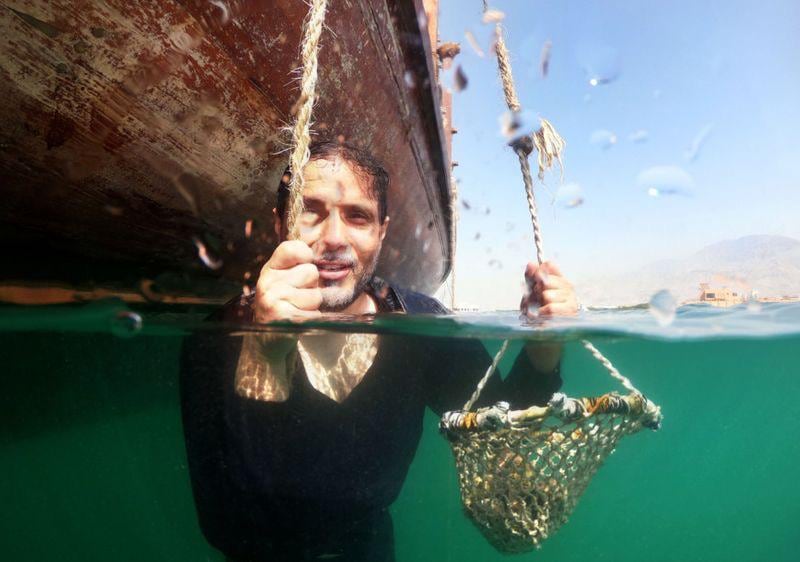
x,y
131,131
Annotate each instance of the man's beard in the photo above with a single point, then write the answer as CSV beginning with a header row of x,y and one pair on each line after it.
x,y
336,298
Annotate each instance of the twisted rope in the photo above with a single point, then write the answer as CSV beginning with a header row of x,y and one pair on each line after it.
x,y
301,136
625,381
525,167
489,372
504,65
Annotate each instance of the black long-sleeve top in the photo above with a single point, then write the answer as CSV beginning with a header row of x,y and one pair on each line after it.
x,y
303,470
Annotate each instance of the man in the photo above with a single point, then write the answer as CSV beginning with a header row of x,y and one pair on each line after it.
x,y
298,445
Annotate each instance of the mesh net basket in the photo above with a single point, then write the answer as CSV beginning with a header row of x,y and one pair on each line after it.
x,y
521,473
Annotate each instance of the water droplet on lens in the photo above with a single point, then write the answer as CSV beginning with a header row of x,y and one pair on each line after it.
x,y
221,12
600,62
126,324
693,150
569,195
665,180
517,124
603,138
753,306
639,136
663,307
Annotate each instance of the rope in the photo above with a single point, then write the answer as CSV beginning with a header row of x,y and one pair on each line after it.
x,y
504,64
489,372
625,381
453,239
525,167
301,136
549,145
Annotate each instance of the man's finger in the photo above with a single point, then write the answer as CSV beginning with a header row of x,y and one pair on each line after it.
x,y
289,254
288,311
305,299
551,268
554,296
304,275
558,309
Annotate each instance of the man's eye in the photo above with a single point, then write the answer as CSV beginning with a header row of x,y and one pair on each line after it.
x,y
359,217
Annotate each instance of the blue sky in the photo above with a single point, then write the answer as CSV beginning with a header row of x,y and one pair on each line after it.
x,y
682,67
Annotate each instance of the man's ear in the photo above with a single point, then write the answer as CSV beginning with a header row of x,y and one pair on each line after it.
x,y
384,227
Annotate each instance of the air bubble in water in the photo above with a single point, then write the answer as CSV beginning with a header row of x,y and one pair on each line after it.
x,y
126,324
603,138
663,307
665,180
601,64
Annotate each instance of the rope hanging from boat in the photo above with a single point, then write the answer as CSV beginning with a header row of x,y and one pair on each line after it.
x,y
301,134
522,472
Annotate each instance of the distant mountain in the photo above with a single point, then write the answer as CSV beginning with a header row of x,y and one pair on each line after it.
x,y
767,264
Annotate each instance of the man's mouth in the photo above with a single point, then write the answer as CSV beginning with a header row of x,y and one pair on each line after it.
x,y
333,270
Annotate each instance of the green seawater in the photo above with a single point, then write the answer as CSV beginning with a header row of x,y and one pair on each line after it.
x,y
94,468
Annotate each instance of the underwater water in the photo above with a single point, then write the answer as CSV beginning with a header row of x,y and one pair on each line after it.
x,y
94,465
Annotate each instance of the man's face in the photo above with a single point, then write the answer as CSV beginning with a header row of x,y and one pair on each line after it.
x,y
342,225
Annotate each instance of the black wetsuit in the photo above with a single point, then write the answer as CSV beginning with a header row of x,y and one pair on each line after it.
x,y
310,478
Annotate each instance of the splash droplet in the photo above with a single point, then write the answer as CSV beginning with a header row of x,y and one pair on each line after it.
x,y
544,58
418,231
460,80
408,78
603,138
493,16
474,43
126,324
663,307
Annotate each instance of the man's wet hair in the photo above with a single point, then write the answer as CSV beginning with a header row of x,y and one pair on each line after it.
x,y
363,163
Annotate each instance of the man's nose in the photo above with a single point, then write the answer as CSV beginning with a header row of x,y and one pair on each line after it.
x,y
333,231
